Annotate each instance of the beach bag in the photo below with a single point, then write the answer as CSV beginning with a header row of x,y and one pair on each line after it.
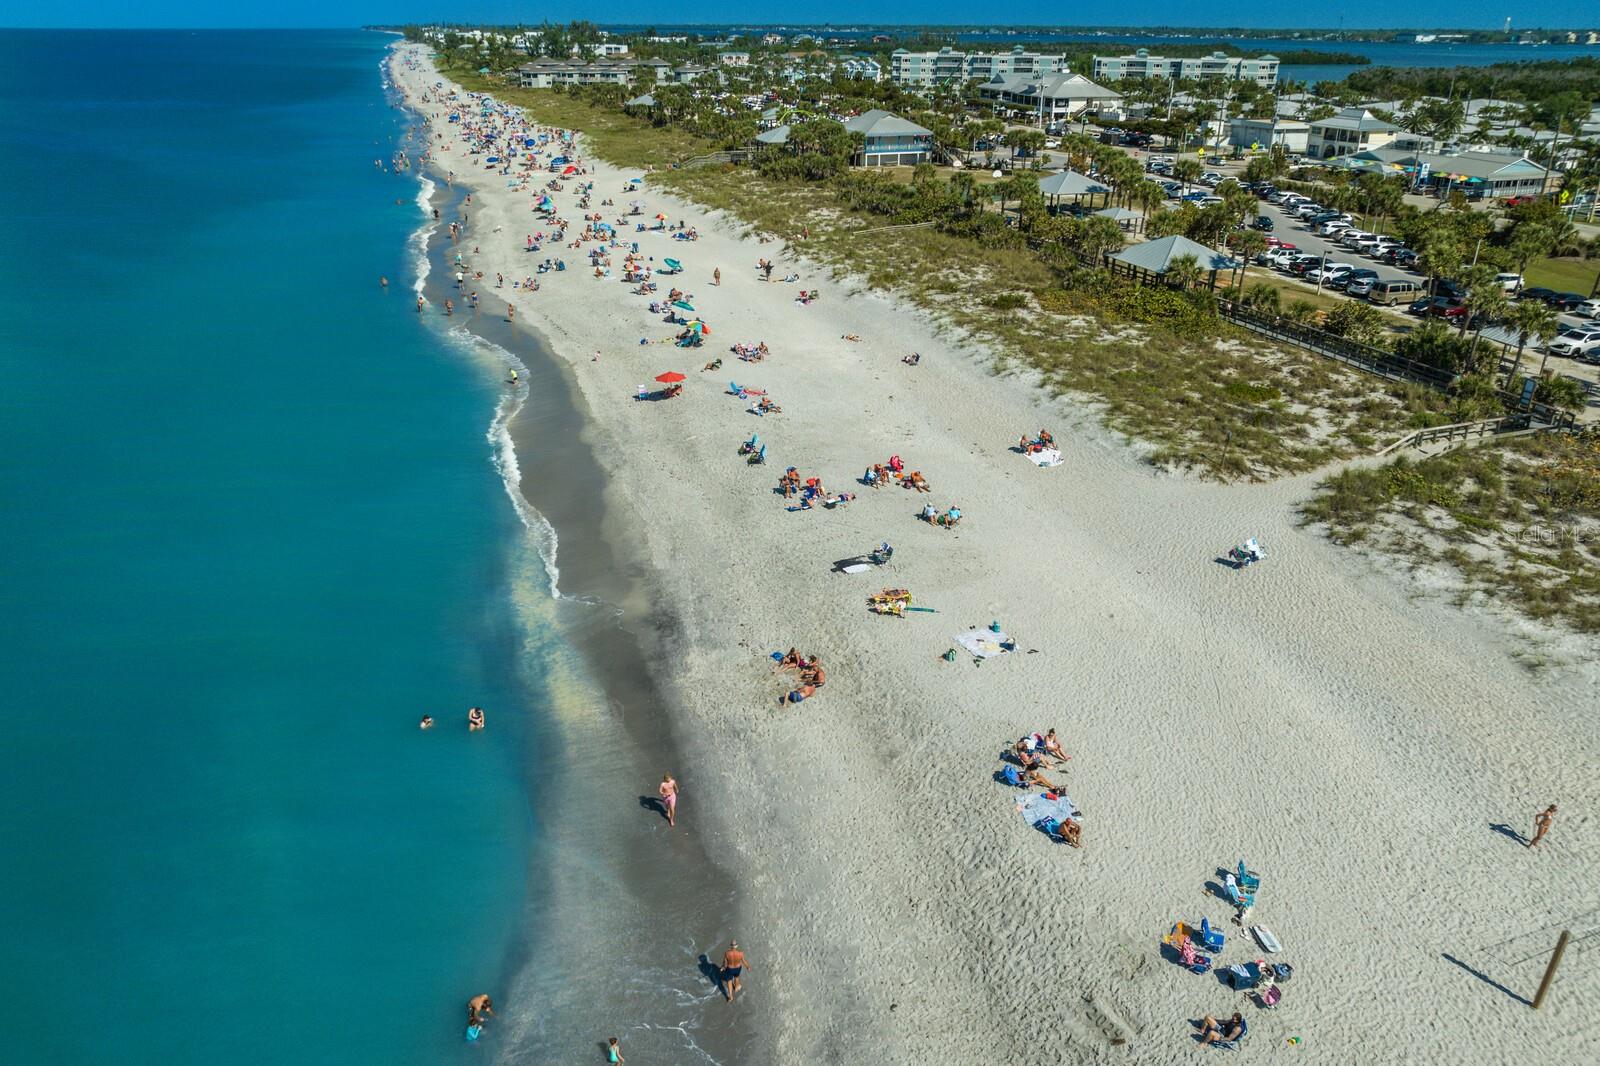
x,y
1011,776
1051,826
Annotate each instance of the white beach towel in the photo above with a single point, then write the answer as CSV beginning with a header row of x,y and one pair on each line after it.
x,y
1047,457
984,643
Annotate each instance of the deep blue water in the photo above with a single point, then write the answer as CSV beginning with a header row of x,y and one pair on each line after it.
x,y
250,535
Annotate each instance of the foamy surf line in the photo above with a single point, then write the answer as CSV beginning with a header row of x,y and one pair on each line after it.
x,y
504,454
419,239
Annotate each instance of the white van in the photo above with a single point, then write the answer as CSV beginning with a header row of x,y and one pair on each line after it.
x,y
1509,282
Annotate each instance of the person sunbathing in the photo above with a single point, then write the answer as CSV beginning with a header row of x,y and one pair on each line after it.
x,y
790,660
849,337
880,476
1070,832
1052,747
1034,777
913,359
767,407
1212,1031
915,480
715,364
1045,438
804,692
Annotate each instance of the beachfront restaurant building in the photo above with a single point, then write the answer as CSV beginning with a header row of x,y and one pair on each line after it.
x,y
1477,175
1355,129
889,140
1054,97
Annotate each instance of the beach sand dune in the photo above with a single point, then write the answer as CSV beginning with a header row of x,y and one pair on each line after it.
x,y
1355,743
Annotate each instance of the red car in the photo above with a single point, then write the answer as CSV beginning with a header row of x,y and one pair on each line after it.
x,y
1518,201
1446,308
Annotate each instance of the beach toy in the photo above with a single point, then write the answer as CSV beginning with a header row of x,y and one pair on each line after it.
x,y
474,1031
994,627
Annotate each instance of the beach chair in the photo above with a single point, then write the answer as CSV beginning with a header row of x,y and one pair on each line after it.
x,y
1233,1045
1249,880
1244,976
759,458
1210,939
1238,898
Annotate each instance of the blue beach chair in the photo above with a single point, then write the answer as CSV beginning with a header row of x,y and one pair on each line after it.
x,y
1249,880
1210,939
1233,1045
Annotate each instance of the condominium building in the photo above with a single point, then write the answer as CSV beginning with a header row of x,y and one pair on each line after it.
x,y
947,65
1141,64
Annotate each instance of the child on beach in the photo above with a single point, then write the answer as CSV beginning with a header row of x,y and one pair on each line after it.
x,y
613,1051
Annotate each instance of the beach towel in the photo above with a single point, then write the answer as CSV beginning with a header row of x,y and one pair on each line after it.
x,y
1045,457
985,643
1037,807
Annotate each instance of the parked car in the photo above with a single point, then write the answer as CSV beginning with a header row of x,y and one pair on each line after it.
x,y
1363,276
1420,306
1578,344
1359,288
1518,201
1404,258
1305,210
1399,291
1565,301
1509,282
1542,295
1262,223
1332,228
1589,308
1195,196
1448,308
1351,237
1327,272
1210,177
1300,263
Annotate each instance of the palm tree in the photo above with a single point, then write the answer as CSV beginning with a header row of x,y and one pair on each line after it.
x,y
1183,272
1533,320
1186,171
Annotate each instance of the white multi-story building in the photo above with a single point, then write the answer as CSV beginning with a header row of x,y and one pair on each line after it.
x,y
1262,70
947,65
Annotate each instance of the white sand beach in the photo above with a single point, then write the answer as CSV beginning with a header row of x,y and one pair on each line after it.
x,y
1353,739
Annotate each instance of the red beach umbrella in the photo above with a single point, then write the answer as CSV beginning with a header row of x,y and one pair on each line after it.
x,y
669,377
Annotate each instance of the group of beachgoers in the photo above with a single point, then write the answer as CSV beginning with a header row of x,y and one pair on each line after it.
x,y
806,491
475,720
809,671
1024,765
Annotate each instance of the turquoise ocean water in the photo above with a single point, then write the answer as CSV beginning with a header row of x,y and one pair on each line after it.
x,y
251,533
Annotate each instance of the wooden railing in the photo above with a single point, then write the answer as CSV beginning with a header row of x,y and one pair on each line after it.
x,y
1462,432
736,155
1366,357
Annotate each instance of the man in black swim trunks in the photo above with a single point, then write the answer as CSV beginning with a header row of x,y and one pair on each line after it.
x,y
733,964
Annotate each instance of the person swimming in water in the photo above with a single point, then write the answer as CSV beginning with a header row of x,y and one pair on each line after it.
x,y
475,720
426,723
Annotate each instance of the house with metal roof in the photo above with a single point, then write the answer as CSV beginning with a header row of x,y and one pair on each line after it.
x,y
1055,97
1355,129
889,140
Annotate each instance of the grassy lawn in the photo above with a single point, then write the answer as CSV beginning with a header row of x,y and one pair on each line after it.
x,y
1519,521
1216,400
1563,275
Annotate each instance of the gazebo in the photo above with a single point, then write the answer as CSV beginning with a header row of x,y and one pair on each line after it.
x,y
1069,183
1121,216
1151,259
